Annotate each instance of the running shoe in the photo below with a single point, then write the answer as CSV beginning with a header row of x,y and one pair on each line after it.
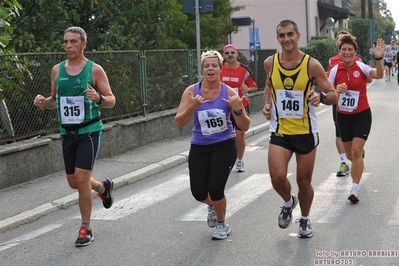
x,y
106,197
85,237
343,170
221,232
240,166
305,228
354,195
285,216
211,216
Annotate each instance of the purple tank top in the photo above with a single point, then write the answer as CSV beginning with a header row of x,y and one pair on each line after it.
x,y
212,120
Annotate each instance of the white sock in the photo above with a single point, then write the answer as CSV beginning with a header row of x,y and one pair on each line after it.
x,y
305,217
344,159
355,186
288,203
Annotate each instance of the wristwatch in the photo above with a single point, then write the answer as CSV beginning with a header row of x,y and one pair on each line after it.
x,y
238,113
322,97
102,99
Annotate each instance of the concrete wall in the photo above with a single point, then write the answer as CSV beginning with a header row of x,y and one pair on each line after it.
x,y
31,159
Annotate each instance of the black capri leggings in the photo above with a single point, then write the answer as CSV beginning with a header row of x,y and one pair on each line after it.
x,y
210,167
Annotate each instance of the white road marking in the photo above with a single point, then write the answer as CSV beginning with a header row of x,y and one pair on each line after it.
x,y
24,238
331,198
394,218
239,196
144,199
329,202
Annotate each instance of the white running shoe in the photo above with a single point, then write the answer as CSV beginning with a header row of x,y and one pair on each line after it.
x,y
222,231
240,166
285,216
305,228
354,195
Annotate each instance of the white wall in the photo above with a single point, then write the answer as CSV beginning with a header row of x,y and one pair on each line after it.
x,y
268,13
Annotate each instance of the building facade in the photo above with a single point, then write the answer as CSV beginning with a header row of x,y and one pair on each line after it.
x,y
312,17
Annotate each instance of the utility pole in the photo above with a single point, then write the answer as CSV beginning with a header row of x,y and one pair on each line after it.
x,y
197,25
190,6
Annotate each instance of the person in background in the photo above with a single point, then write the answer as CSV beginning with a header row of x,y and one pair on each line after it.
x,y
78,88
237,76
344,166
213,149
396,63
290,105
353,109
393,49
387,64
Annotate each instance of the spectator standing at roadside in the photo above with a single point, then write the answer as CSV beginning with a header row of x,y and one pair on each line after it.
x,y
290,105
78,88
353,109
213,149
238,77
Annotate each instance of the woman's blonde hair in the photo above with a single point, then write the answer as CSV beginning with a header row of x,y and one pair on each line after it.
x,y
212,54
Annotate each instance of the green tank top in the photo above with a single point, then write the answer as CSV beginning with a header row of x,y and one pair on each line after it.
x,y
73,106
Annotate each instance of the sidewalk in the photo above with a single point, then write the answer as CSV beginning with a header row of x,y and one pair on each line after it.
x,y
29,201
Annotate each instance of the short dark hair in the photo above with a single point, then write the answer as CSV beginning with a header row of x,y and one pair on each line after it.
x,y
285,23
75,29
349,39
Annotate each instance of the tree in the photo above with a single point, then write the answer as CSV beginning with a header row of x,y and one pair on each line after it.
x,y
380,14
119,24
358,27
215,26
8,10
110,25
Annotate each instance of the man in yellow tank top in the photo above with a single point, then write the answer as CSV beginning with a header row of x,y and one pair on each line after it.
x,y
290,105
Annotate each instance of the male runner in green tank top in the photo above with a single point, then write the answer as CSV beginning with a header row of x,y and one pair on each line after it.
x,y
78,88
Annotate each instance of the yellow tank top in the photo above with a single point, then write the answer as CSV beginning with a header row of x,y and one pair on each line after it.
x,y
292,113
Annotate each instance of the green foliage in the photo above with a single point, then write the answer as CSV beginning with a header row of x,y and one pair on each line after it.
x,y
9,9
119,24
214,27
379,32
110,25
360,29
13,70
321,49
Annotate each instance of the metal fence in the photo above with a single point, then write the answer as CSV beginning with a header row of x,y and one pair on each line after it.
x,y
142,82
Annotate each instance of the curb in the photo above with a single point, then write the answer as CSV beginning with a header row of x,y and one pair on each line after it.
x,y
127,179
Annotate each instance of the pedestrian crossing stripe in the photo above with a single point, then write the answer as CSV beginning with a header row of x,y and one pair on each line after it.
x,y
238,196
329,201
143,199
331,198
394,219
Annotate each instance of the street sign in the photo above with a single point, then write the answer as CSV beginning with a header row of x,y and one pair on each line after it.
x,y
242,21
251,35
204,5
251,48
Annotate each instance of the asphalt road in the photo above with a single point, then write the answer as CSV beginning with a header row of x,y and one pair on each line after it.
x,y
155,220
